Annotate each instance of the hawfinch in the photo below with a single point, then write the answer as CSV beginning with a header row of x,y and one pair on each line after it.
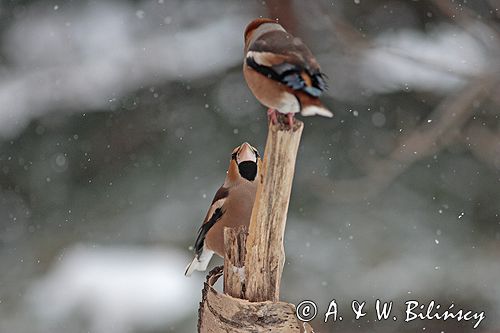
x,y
282,72
231,206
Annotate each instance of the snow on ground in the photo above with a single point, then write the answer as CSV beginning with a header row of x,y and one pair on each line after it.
x,y
115,289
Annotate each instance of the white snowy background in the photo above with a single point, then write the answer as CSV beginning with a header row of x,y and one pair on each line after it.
x,y
116,124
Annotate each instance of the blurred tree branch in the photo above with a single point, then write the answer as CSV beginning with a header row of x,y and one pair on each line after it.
x,y
438,131
445,125
483,143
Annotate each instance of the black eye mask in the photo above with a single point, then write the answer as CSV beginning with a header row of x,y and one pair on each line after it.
x,y
248,170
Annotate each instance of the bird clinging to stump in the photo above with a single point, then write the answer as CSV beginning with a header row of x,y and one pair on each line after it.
x,y
281,71
232,206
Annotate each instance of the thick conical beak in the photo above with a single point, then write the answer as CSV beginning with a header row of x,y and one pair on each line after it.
x,y
246,153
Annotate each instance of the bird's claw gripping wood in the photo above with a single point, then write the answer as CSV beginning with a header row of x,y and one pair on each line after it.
x,y
290,119
272,116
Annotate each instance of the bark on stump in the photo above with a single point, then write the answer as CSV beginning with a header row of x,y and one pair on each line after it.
x,y
221,313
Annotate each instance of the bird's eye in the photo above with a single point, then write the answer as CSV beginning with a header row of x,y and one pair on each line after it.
x,y
256,152
233,156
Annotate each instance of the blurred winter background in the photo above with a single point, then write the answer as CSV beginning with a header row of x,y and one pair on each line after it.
x,y
116,124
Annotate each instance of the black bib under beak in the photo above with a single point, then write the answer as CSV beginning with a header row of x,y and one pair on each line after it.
x,y
248,170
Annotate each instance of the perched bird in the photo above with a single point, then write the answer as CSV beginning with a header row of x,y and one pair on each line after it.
x,y
231,206
282,72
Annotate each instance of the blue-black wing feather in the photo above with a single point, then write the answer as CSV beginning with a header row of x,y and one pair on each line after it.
x,y
290,75
202,232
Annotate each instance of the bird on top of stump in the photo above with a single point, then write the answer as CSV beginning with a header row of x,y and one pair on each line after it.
x,y
282,72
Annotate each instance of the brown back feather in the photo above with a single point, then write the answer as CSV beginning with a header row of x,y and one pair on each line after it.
x,y
286,45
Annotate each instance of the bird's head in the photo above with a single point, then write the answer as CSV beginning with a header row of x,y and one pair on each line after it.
x,y
255,24
245,163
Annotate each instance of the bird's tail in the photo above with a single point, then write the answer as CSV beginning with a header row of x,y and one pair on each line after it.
x,y
312,106
199,263
312,110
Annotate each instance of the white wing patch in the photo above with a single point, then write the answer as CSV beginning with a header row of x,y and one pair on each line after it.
x,y
218,204
261,58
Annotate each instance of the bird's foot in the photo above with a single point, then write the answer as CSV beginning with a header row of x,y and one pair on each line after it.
x,y
272,115
291,119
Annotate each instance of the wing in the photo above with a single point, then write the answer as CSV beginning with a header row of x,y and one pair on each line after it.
x,y
284,58
202,232
214,214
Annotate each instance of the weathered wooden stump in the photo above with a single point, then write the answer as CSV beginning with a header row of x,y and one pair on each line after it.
x,y
253,262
